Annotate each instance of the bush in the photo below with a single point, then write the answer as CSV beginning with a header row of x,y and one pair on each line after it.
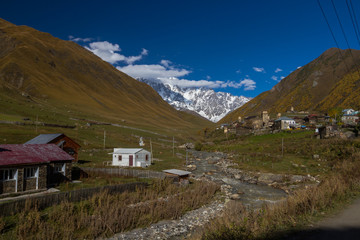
x,y
198,146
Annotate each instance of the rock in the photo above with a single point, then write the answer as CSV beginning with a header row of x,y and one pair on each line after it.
x,y
240,192
270,178
191,167
212,161
237,176
296,178
235,196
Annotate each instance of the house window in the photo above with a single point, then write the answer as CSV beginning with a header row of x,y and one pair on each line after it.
x,y
7,174
147,157
30,172
59,168
120,157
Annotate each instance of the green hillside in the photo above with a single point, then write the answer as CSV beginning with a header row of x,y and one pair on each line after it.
x,y
61,77
324,83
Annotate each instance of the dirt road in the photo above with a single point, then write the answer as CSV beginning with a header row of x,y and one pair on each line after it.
x,y
344,225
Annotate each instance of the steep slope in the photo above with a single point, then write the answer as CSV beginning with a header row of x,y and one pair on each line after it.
x,y
326,82
205,102
63,74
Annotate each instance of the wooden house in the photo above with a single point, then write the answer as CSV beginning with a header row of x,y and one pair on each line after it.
x,y
61,140
25,167
131,157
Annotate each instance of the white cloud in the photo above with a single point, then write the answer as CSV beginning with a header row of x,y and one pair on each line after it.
x,y
259,69
238,71
165,63
298,67
282,77
278,70
152,71
171,75
275,78
164,72
248,84
108,52
74,39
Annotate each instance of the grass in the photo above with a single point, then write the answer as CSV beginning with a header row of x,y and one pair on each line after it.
x,y
289,152
104,214
91,139
97,181
294,214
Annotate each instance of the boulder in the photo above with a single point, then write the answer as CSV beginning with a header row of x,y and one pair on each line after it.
x,y
235,196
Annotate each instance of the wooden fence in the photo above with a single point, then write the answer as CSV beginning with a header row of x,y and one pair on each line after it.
x,y
125,172
48,200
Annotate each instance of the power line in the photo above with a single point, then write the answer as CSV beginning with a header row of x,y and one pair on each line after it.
x,y
347,42
356,21
332,34
353,21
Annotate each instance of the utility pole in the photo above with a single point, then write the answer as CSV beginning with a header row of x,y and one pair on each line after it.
x,y
104,138
282,147
173,146
36,123
151,150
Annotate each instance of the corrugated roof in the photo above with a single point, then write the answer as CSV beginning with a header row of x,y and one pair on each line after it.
x,y
44,138
284,118
16,154
127,150
177,172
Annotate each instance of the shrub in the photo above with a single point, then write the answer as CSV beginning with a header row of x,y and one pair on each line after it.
x,y
198,146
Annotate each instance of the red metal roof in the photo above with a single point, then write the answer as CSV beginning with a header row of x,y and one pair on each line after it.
x,y
16,154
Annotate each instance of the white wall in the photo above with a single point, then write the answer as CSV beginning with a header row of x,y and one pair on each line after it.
x,y
139,159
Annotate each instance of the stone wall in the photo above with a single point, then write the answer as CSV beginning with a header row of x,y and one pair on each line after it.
x,y
30,183
7,186
54,178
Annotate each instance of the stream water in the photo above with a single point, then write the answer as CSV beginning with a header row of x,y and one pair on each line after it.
x,y
252,195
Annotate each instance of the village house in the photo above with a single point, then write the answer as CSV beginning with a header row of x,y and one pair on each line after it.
x,y
131,157
349,111
311,119
61,140
350,119
284,123
32,167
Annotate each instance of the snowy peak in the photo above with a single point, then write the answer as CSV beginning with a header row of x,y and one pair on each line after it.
x,y
206,102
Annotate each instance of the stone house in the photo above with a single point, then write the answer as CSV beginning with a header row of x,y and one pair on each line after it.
x,y
350,119
32,167
131,157
61,140
284,123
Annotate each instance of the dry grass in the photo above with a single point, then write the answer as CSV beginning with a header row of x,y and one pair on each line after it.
x,y
273,221
104,214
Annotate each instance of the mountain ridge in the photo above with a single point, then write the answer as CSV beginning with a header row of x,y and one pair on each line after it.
x,y
62,73
326,82
203,101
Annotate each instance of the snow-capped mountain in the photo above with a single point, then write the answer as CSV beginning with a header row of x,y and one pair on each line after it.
x,y
206,102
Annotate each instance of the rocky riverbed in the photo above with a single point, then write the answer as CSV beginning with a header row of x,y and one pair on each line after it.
x,y
215,167
250,189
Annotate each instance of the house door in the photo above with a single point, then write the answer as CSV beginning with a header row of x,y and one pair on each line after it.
x,y
131,160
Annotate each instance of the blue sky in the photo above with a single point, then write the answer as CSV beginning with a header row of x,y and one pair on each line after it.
x,y
241,47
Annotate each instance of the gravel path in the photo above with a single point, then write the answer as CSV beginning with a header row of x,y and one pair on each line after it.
x,y
175,228
344,225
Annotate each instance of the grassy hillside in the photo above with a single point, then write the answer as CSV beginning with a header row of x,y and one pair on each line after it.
x,y
324,83
39,72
